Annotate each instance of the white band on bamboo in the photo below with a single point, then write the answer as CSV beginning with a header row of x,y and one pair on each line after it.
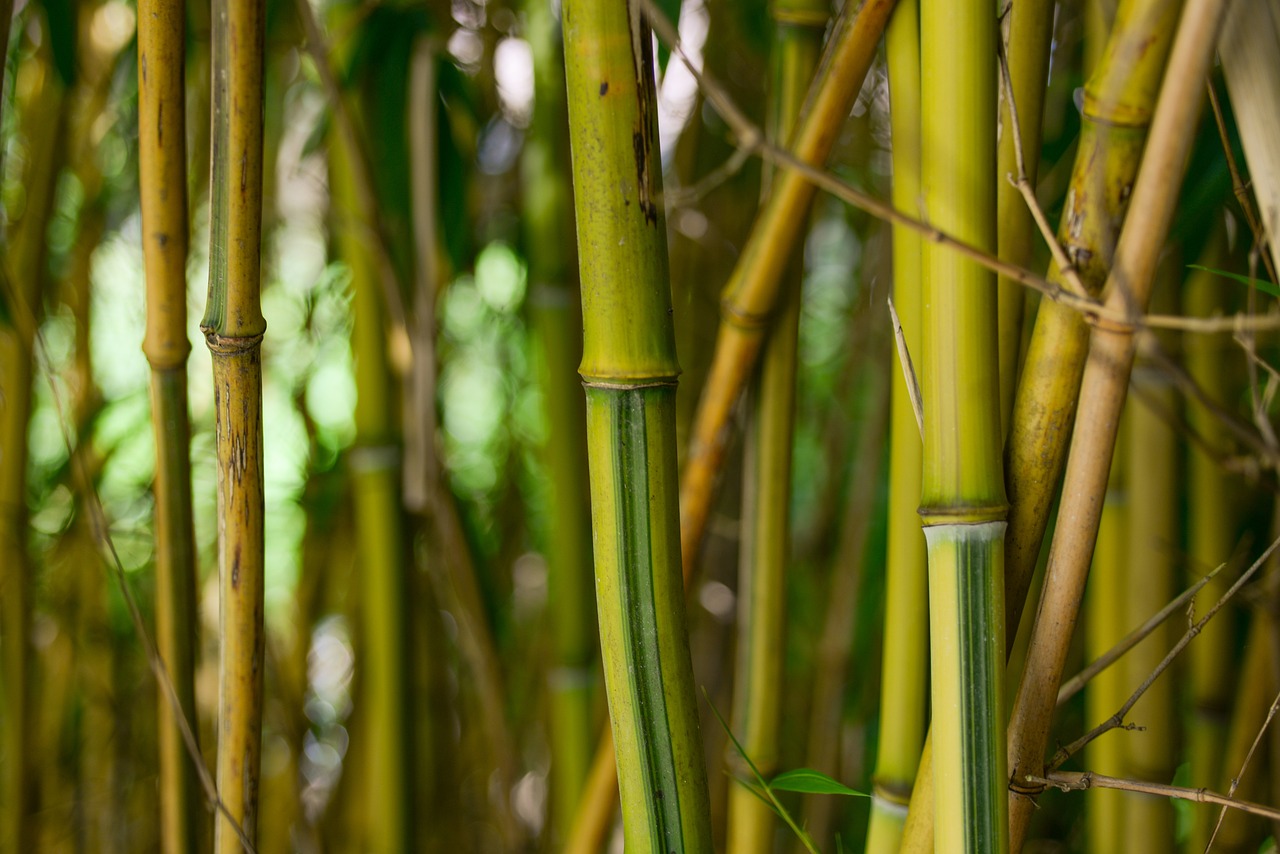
x,y
888,805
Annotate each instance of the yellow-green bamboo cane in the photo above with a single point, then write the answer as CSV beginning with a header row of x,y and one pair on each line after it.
x,y
1151,463
375,474
766,542
555,315
1029,30
1239,832
162,180
1119,97
1106,377
1210,542
629,369
1106,692
39,103
233,327
962,500
903,690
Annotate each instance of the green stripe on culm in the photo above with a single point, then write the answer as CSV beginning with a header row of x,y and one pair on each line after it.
x,y
640,618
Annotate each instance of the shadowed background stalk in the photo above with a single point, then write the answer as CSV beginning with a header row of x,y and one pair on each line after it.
x,y
162,182
766,527
233,327
629,369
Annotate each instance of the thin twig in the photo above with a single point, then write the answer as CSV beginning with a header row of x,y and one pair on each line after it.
x,y
1074,685
1078,781
1235,781
1021,182
908,369
1239,186
1117,720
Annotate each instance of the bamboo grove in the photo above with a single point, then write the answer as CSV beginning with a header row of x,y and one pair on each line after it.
x,y
660,425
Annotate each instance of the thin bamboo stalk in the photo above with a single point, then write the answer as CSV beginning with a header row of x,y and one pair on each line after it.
x,y
1102,395
906,655
962,504
1151,463
375,466
1030,30
1105,627
40,116
629,370
162,183
233,327
766,533
1239,832
1248,47
555,315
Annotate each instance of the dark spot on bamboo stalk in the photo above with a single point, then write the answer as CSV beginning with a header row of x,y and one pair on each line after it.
x,y
235,569
160,125
144,68
604,87
162,239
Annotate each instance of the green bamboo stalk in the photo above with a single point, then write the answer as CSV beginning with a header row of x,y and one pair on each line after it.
x,y
1211,539
375,466
962,503
1105,626
903,695
1030,30
1151,463
40,117
233,327
162,182
629,369
1111,353
554,312
766,543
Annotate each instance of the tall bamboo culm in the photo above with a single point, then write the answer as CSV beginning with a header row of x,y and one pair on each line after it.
x,y
162,179
962,503
766,542
556,319
629,369
904,685
233,326
39,98
1119,97
1102,394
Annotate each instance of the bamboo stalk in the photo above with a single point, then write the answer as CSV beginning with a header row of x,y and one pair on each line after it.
x,y
375,466
1238,832
1105,627
162,183
555,315
752,292
906,655
962,505
629,370
1102,394
233,327
1030,30
39,97
1151,463
1248,47
766,535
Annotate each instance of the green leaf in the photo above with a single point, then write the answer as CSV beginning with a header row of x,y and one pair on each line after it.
x,y
1261,284
812,782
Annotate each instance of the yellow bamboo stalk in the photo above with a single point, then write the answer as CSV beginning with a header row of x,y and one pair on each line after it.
x,y
233,327
1102,395
1105,626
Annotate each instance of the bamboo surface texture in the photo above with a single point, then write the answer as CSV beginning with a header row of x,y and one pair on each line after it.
x,y
233,327
1102,395
163,189
629,370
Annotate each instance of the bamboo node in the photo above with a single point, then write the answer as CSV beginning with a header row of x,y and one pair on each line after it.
x,y
744,318
1109,323
231,345
815,18
629,385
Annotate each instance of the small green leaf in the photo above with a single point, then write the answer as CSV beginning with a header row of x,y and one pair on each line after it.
x,y
812,782
1261,284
